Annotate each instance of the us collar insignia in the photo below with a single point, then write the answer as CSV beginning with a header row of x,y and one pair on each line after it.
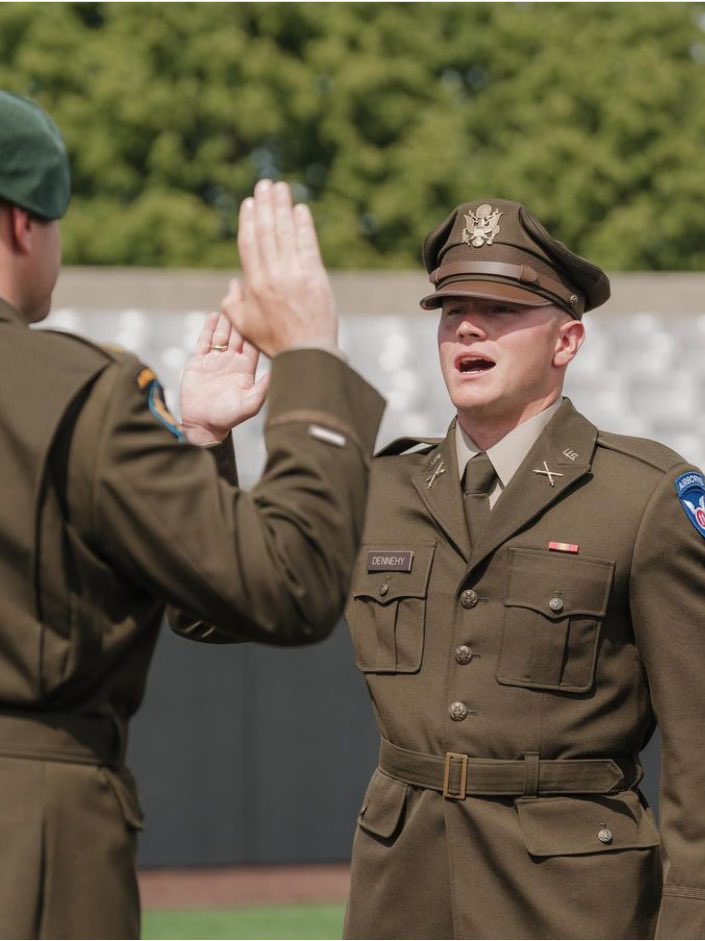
x,y
481,226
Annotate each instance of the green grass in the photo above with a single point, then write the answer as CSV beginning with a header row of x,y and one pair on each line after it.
x,y
274,921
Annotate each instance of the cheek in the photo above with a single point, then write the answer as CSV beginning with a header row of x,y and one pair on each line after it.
x,y
445,351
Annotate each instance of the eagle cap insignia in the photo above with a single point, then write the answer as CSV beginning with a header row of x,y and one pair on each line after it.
x,y
481,226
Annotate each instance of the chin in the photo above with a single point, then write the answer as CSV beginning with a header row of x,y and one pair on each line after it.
x,y
37,315
472,400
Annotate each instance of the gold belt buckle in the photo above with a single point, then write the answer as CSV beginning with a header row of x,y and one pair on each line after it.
x,y
462,789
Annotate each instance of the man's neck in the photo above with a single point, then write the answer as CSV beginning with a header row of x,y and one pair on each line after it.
x,y
486,432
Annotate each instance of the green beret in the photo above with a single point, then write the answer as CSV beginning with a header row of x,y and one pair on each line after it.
x,y
497,249
34,166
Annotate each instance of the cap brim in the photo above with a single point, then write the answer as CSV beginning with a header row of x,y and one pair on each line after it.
x,y
489,290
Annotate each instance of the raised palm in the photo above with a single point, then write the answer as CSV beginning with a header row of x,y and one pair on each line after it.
x,y
218,387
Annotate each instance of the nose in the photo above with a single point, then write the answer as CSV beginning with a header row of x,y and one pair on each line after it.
x,y
470,327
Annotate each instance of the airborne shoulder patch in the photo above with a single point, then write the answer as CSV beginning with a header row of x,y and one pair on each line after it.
x,y
148,382
690,488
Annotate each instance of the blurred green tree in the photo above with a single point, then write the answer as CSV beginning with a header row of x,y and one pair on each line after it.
x,y
382,115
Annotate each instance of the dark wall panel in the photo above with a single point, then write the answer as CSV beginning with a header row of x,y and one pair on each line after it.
x,y
250,754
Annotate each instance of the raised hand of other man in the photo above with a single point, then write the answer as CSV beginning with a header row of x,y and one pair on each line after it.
x,y
218,387
286,300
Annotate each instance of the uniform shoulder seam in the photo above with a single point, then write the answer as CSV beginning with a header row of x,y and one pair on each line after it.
x,y
110,352
408,444
652,453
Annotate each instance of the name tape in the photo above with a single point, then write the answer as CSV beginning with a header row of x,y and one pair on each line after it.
x,y
380,561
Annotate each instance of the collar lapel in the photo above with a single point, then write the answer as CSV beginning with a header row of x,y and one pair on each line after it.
x,y
438,485
566,446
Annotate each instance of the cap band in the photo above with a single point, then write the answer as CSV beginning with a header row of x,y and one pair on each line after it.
x,y
524,274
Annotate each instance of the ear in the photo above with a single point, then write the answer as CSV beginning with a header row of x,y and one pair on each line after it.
x,y
21,228
569,340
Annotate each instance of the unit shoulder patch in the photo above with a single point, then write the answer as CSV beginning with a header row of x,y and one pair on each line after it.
x,y
148,382
690,488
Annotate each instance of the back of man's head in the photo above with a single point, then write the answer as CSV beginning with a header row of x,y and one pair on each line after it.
x,y
34,167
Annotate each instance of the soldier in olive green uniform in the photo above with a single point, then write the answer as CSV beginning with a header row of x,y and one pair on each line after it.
x,y
527,604
106,514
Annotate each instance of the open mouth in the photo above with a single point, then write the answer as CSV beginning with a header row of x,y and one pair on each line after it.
x,y
473,363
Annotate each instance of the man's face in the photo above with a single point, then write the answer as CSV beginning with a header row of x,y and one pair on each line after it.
x,y
44,265
504,362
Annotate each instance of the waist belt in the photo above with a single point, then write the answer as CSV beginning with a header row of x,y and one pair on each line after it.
x,y
456,776
87,740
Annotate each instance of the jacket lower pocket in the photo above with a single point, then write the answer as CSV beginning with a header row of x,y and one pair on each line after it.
x,y
383,806
573,826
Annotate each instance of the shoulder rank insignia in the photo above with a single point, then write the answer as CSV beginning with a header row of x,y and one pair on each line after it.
x,y
148,382
690,488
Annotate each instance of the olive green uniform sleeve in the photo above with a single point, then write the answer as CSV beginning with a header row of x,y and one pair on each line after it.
x,y
272,564
667,595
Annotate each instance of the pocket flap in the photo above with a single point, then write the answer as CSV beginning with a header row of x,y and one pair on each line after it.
x,y
557,585
385,586
383,805
570,826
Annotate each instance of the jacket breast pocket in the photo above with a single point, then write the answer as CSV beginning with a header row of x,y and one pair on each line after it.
x,y
386,612
553,611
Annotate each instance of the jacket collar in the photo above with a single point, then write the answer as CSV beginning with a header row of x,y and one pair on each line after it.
x,y
438,484
561,456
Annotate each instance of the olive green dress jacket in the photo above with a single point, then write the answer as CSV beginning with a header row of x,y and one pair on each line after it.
x,y
105,516
515,682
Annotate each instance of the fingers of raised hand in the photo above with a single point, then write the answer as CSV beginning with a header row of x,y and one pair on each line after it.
x,y
247,240
267,238
306,238
221,334
284,224
265,225
205,337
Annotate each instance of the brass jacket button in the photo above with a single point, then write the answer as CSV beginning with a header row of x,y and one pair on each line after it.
x,y
458,711
383,589
605,835
469,598
556,605
463,654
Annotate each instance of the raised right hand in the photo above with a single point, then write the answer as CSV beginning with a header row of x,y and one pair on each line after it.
x,y
286,299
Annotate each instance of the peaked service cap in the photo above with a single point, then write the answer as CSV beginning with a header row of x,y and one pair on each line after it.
x,y
498,249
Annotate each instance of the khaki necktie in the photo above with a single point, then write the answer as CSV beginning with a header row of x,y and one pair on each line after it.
x,y
478,481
